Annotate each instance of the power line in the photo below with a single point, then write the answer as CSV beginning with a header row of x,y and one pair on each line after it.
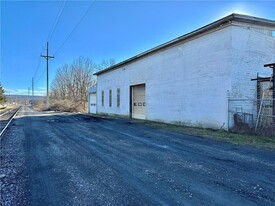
x,y
57,18
38,64
42,74
56,21
81,19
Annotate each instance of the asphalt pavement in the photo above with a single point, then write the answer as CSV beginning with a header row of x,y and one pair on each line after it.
x,y
72,159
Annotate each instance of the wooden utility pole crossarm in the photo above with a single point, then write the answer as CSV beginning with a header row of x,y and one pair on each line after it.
x,y
47,57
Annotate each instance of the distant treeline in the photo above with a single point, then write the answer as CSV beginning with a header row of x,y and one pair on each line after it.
x,y
23,97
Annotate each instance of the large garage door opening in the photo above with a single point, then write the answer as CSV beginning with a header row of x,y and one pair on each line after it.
x,y
138,104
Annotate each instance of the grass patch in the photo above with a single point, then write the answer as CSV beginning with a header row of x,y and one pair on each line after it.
x,y
3,109
244,139
10,107
221,135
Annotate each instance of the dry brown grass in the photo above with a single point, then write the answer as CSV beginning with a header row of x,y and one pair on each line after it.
x,y
39,105
67,106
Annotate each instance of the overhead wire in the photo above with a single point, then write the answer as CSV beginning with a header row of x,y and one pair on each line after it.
x,y
59,14
56,21
38,79
79,22
57,18
39,62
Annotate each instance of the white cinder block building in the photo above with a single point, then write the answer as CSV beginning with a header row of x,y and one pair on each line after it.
x,y
188,80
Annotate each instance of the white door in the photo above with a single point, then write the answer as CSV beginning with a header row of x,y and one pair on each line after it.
x,y
138,102
93,103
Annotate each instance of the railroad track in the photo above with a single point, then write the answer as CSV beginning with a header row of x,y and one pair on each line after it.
x,y
6,118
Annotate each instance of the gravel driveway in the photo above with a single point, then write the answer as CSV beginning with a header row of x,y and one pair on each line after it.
x,y
69,159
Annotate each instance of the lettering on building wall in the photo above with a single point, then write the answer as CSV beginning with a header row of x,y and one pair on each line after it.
x,y
139,104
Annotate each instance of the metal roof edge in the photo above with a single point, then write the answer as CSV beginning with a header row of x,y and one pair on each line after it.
x,y
208,27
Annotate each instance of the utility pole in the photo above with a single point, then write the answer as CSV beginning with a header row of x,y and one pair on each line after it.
x,y
28,101
47,57
32,88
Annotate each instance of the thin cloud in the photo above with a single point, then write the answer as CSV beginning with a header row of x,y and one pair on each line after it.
x,y
40,92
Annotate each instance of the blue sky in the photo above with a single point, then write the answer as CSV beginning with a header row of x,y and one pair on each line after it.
x,y
110,29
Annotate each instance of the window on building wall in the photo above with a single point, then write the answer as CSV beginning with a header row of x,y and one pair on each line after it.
x,y
102,98
118,97
110,98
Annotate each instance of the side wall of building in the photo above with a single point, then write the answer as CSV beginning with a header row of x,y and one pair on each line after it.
x,y
185,84
252,47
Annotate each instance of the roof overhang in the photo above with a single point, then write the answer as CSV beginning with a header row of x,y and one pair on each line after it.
x,y
219,23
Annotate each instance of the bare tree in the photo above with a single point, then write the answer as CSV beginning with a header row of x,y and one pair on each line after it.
x,y
71,83
104,64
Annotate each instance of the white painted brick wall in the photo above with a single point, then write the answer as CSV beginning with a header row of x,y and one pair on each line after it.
x,y
251,49
185,84
189,83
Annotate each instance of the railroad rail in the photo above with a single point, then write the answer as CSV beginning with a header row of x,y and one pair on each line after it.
x,y
6,118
